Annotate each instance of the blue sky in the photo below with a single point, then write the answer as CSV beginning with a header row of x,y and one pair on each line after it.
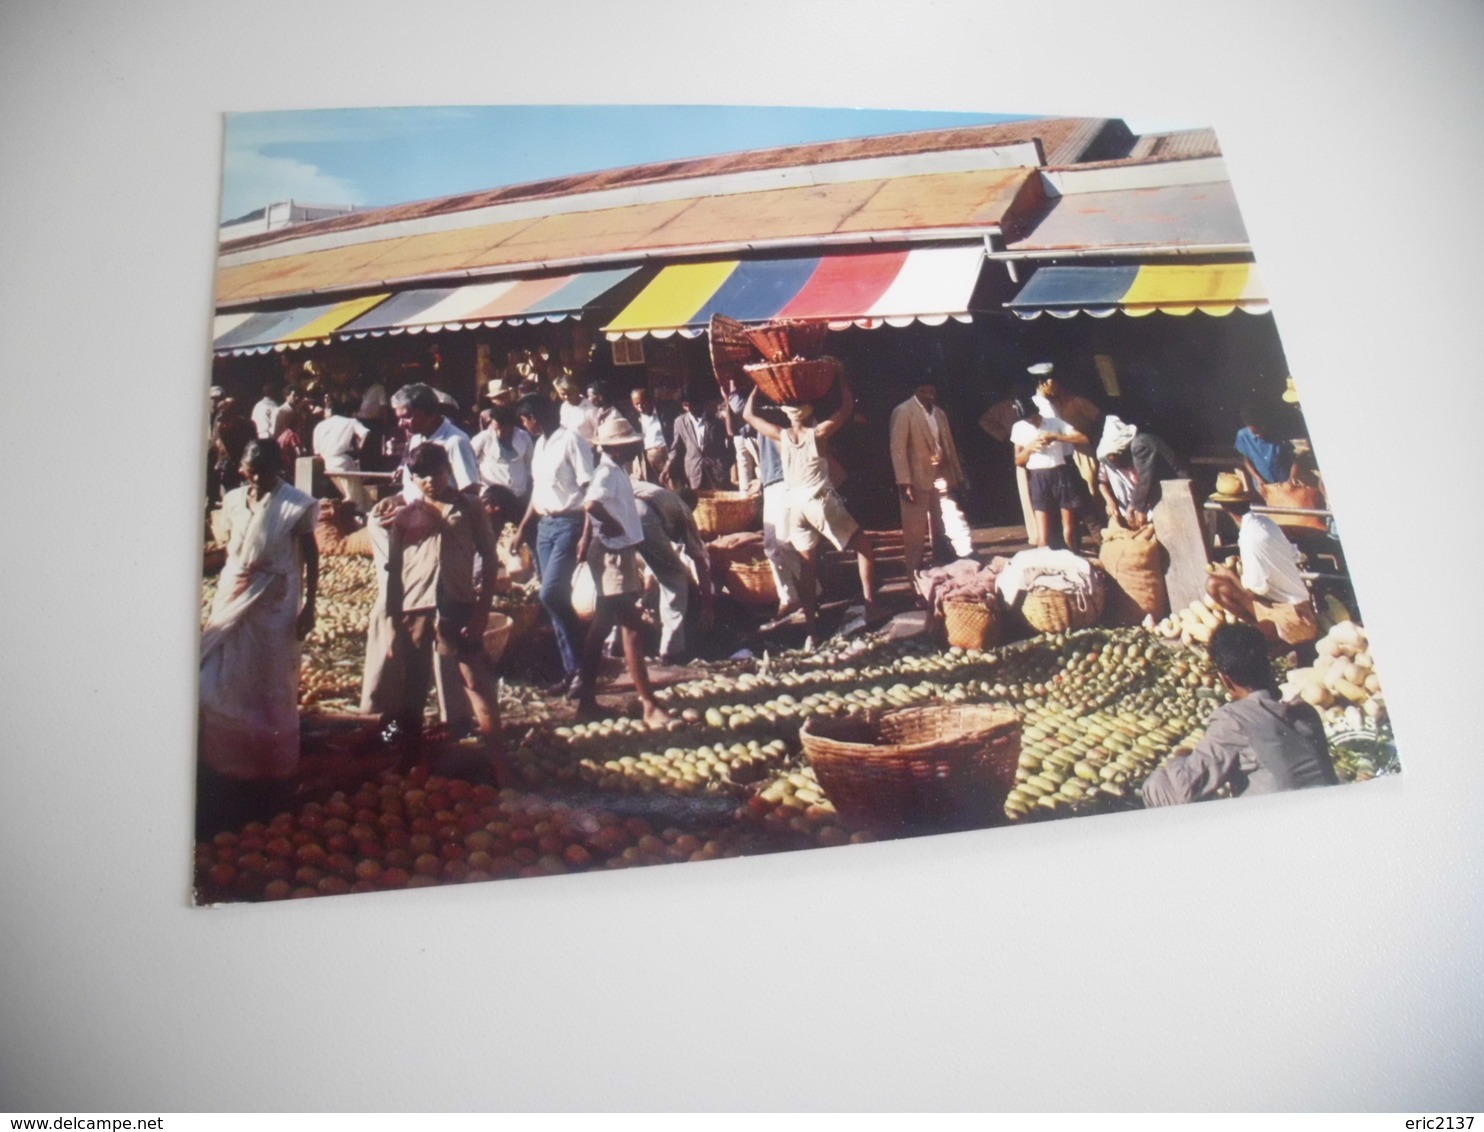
x,y
387,156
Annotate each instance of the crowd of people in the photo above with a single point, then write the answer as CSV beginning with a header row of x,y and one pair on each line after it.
x,y
588,476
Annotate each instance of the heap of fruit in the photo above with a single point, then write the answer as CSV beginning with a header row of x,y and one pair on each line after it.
x,y
1194,624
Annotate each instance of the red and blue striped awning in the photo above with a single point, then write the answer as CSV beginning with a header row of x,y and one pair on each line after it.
x,y
867,289
1140,289
465,307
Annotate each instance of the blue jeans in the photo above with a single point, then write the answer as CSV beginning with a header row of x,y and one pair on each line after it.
x,y
556,558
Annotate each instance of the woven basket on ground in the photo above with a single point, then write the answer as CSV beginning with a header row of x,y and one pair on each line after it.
x,y
971,624
786,339
1052,611
727,512
751,581
497,636
917,768
795,383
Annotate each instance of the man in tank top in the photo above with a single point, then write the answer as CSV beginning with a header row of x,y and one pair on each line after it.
x,y
815,509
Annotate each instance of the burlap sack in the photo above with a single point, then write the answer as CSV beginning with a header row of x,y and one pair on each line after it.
x,y
1135,563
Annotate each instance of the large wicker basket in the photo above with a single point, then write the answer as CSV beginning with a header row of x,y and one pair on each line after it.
x,y
797,382
730,349
1053,611
787,339
971,624
917,768
750,581
727,512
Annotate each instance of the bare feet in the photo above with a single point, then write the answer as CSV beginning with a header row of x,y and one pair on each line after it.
x,y
655,716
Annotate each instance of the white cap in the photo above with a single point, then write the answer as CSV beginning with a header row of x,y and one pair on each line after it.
x,y
1040,369
1116,436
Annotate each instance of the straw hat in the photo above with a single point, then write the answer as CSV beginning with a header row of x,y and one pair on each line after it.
x,y
500,391
615,432
1230,488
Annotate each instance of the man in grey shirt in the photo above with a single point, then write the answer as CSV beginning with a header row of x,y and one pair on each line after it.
x,y
1257,744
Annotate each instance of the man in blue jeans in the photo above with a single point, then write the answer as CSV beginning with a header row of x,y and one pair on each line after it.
x,y
562,466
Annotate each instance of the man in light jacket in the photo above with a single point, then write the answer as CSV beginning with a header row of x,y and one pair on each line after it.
x,y
923,456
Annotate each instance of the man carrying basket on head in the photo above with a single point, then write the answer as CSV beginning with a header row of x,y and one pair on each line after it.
x,y
815,509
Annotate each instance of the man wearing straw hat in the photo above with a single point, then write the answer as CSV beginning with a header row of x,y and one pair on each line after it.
x,y
611,536
1269,591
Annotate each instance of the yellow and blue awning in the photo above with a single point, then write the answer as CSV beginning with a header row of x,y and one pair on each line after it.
x,y
465,307
867,289
1136,290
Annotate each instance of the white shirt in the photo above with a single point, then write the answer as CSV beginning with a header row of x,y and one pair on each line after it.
x,y
265,418
652,429
335,440
562,466
455,442
611,487
1269,562
508,467
581,419
1055,454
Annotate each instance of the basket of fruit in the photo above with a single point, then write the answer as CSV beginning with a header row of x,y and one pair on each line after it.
x,y
788,339
727,512
796,382
930,767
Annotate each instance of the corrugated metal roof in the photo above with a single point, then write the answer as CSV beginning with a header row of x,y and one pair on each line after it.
x,y
1173,216
919,205
1063,141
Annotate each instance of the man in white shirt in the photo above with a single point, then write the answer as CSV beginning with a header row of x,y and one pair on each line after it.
x,y
419,409
562,466
610,541
923,456
337,441
1269,591
265,414
576,412
503,450
653,433
1043,447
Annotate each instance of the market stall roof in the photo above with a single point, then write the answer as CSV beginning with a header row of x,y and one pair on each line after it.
x,y
867,289
1177,217
1135,289
805,216
549,299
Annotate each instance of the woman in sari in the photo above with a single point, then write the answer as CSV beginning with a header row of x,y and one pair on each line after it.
x,y
249,731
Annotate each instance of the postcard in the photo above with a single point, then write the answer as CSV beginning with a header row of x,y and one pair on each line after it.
x,y
598,487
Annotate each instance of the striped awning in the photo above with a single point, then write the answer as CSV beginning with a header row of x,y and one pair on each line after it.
x,y
1215,289
465,307
867,289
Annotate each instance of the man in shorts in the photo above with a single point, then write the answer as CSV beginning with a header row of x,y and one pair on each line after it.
x,y
1043,447
610,546
815,509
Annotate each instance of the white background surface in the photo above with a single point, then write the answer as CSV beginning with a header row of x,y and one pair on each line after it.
x,y
1320,950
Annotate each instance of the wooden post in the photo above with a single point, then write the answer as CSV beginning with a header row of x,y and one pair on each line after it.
x,y
1178,526
305,469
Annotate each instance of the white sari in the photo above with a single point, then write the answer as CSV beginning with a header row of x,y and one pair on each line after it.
x,y
249,651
